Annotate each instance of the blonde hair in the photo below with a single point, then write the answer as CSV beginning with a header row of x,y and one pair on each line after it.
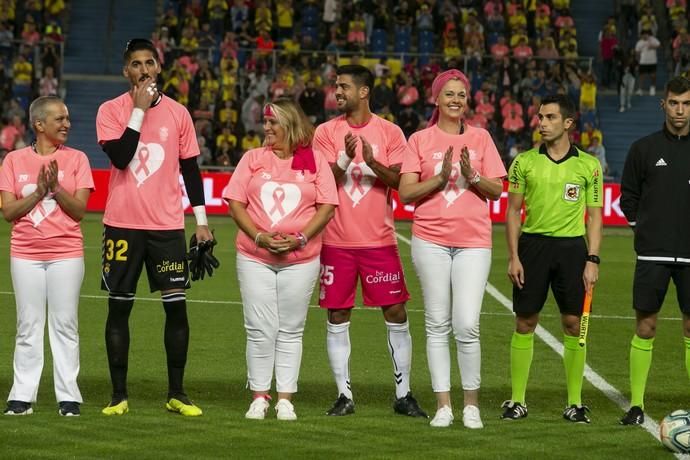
x,y
298,129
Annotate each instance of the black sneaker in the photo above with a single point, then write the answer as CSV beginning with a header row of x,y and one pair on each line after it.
x,y
513,410
407,405
18,408
577,414
635,416
68,409
342,406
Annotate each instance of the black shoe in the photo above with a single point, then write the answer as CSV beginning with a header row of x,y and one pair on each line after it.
x,y
18,408
69,409
513,410
577,414
407,405
635,416
342,406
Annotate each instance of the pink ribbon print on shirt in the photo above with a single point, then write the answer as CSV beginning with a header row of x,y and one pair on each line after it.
x,y
279,200
456,186
146,161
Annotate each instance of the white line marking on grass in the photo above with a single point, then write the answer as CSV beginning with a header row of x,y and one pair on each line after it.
x,y
592,376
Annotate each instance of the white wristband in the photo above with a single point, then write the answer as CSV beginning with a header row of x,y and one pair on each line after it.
x,y
200,215
136,119
343,161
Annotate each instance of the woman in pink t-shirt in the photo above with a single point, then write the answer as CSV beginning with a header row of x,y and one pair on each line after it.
x,y
450,171
44,190
281,197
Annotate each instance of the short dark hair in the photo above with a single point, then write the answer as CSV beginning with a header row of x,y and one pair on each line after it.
x,y
138,44
677,85
360,74
565,104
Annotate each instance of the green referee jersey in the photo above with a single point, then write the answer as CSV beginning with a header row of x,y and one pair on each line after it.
x,y
556,193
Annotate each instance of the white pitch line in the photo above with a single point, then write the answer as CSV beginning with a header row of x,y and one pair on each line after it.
x,y
590,374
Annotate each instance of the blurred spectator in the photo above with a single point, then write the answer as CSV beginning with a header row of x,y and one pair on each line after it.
x,y
588,133
407,94
250,141
626,86
647,21
205,157
12,134
607,46
239,14
263,20
48,85
251,113
285,14
403,17
646,51
597,149
425,18
311,101
588,93
408,121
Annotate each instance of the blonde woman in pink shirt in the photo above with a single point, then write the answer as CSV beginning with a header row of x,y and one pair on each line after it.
x,y
44,189
450,171
281,196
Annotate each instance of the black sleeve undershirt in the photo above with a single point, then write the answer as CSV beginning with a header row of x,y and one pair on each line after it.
x,y
192,181
122,150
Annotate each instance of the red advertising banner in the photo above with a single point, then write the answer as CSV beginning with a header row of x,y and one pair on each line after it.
x,y
215,182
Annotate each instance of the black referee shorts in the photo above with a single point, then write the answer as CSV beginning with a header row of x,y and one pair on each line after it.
x,y
551,262
126,251
651,283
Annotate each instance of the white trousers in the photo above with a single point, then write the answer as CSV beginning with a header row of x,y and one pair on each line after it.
x,y
56,284
275,302
453,282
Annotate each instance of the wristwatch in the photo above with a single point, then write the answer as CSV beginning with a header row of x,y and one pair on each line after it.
x,y
594,259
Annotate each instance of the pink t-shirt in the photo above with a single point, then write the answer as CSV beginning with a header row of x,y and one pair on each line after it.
x,y
457,216
364,218
147,195
279,199
46,232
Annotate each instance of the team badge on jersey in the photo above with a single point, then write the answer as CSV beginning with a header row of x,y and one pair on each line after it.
x,y
571,192
279,200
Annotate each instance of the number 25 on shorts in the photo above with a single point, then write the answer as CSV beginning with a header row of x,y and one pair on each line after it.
x,y
116,250
326,275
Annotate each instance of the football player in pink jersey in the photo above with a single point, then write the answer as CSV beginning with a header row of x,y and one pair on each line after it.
x,y
281,196
365,152
149,139
450,171
44,189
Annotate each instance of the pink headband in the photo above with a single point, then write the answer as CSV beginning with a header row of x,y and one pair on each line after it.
x,y
268,111
436,87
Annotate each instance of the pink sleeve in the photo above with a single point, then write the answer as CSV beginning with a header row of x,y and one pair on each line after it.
x,y
108,127
6,174
239,181
83,176
411,163
323,145
189,147
326,190
492,164
397,145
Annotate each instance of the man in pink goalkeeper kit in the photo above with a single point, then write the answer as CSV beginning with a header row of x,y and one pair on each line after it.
x,y
149,139
365,153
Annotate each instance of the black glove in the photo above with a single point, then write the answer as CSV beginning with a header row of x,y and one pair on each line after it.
x,y
201,258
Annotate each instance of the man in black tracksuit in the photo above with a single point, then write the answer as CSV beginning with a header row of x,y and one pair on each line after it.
x,y
655,198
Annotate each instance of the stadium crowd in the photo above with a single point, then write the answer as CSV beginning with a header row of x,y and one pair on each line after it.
x,y
224,59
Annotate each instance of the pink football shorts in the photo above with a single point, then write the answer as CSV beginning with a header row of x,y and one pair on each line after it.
x,y
379,270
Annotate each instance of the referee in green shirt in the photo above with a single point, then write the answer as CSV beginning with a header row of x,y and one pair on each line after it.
x,y
556,182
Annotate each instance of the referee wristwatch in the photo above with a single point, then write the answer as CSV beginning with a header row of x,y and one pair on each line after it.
x,y
594,259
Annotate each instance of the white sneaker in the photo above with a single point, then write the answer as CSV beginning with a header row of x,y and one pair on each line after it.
x,y
285,410
622,109
471,418
639,92
652,90
443,418
257,409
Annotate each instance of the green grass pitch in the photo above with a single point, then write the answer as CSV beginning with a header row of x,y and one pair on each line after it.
x,y
215,378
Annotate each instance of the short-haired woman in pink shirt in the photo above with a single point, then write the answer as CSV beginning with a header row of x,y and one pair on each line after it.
x,y
281,196
44,189
450,171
